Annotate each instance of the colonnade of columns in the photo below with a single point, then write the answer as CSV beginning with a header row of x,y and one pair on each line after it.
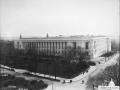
x,y
47,47
95,46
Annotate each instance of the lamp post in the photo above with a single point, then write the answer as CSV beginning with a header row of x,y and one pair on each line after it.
x,y
3,71
52,85
93,86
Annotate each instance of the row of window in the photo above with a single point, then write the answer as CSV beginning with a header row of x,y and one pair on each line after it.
x,y
50,45
18,45
86,45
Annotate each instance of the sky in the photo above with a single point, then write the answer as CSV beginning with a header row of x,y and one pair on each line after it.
x,y
58,17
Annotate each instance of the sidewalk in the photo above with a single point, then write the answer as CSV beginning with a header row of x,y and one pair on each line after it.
x,y
97,59
20,70
108,59
114,58
78,78
102,60
81,76
91,69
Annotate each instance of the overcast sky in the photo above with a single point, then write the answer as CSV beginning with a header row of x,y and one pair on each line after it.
x,y
59,17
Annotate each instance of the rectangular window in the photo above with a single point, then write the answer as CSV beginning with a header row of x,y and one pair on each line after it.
x,y
87,45
50,46
56,45
59,45
94,44
62,45
45,44
53,45
42,44
37,44
74,45
18,44
65,45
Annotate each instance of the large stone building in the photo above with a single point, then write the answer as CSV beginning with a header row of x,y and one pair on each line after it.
x,y
96,45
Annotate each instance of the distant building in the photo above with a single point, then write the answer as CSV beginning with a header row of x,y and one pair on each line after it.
x,y
96,45
111,83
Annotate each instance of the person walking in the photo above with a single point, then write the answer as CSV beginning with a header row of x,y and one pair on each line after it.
x,y
82,81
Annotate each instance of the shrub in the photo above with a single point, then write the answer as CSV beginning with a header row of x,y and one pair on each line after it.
x,y
104,77
91,63
21,82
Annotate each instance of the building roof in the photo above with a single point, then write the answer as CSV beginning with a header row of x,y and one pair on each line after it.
x,y
78,37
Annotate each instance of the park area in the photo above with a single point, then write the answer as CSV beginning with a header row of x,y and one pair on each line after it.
x,y
9,82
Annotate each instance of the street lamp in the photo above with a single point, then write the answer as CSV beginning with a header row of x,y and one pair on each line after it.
x,y
93,86
3,71
52,85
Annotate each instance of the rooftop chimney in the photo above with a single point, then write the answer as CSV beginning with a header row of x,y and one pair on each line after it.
x,y
20,36
47,36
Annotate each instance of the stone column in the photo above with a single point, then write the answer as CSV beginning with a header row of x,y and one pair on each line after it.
x,y
55,45
43,45
50,45
60,45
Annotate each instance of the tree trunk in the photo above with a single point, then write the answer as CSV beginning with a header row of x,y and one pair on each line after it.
x,y
47,69
55,72
6,61
68,72
35,68
15,62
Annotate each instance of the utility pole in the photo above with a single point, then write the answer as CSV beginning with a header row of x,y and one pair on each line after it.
x,y
52,85
3,71
93,86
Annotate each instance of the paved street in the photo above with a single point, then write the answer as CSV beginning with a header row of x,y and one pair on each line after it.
x,y
77,85
25,76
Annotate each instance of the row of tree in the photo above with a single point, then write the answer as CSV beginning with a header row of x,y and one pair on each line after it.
x,y
69,65
7,81
103,78
115,45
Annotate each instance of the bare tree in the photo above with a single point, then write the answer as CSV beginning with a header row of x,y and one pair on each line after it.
x,y
104,77
78,55
115,45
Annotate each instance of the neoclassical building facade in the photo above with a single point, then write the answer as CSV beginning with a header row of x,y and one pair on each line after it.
x,y
96,45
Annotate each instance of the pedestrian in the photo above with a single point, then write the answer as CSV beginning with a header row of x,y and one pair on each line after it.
x,y
70,81
63,81
82,81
